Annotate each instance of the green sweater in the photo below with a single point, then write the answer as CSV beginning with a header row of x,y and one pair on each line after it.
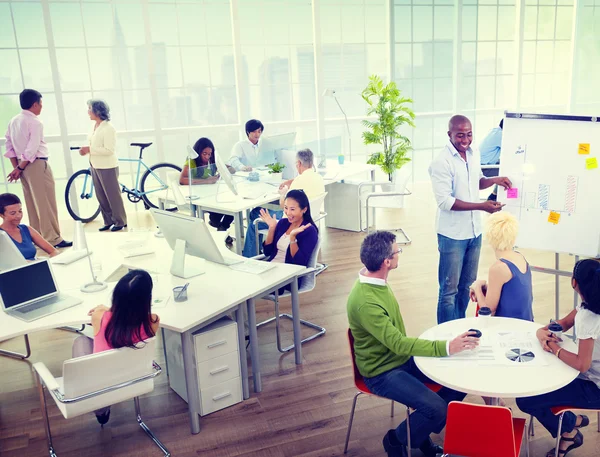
x,y
380,341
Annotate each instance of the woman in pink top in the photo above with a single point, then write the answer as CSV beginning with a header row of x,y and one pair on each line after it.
x,y
127,323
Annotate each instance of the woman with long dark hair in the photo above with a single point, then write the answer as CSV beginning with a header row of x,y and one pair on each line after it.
x,y
584,391
294,237
204,171
127,323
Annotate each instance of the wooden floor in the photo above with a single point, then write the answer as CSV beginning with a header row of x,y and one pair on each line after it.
x,y
303,410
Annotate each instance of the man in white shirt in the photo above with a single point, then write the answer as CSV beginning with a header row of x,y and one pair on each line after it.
x,y
28,154
307,180
456,178
246,153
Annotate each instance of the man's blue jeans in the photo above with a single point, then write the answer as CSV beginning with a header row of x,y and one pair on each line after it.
x,y
406,385
579,393
459,260
250,240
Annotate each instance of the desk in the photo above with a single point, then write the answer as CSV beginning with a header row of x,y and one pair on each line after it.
x,y
515,381
209,299
219,199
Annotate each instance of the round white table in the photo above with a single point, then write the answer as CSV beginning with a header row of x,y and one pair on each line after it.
x,y
512,380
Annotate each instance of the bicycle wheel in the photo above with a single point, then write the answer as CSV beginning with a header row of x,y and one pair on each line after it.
x,y
79,197
154,185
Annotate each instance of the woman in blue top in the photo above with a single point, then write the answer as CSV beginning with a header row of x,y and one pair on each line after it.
x,y
24,237
293,238
508,291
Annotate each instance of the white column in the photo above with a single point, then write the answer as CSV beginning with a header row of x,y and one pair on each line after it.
x,y
238,64
457,51
578,11
153,85
391,39
319,83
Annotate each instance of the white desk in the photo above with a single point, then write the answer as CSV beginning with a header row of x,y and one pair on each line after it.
x,y
210,296
219,199
514,381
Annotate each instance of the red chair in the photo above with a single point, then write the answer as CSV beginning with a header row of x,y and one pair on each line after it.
x,y
560,410
363,389
483,431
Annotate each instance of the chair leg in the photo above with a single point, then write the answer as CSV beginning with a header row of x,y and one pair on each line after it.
x,y
350,421
145,428
531,426
599,421
408,447
392,412
320,330
407,239
17,355
45,417
558,434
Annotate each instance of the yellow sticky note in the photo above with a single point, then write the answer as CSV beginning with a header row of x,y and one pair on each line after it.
x,y
554,217
584,148
591,163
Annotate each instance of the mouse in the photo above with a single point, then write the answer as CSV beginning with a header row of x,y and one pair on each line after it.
x,y
477,333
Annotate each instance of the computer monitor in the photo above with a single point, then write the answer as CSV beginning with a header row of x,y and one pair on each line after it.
x,y
277,142
183,235
224,173
10,256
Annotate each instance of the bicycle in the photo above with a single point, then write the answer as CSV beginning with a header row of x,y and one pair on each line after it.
x,y
80,187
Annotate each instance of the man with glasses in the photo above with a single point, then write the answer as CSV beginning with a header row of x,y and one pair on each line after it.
x,y
384,353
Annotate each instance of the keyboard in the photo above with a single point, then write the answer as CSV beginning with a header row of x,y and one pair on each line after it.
x,y
253,191
44,307
135,250
68,257
255,267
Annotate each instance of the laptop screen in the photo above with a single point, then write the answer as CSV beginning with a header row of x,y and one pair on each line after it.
x,y
29,282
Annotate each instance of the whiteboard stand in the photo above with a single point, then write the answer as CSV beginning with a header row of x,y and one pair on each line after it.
x,y
557,272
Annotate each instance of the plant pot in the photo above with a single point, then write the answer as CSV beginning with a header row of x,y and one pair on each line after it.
x,y
275,177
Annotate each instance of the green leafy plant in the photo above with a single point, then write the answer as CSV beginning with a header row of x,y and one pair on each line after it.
x,y
392,111
275,167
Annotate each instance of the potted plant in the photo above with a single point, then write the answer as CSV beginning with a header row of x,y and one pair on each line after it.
x,y
392,111
275,171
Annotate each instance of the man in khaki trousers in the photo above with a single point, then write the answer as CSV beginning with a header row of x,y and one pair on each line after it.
x,y
28,153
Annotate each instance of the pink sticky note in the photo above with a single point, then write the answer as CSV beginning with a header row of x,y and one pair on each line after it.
x,y
513,192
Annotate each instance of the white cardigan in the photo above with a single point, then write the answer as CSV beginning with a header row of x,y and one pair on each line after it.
x,y
103,142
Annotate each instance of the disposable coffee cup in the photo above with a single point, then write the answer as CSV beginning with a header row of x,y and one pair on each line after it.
x,y
484,316
556,329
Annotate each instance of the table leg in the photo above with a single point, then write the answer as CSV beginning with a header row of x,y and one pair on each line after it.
x,y
239,230
239,318
191,383
254,354
17,355
296,321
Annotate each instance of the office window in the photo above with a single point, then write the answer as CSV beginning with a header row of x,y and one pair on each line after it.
x,y
586,99
488,55
546,49
277,60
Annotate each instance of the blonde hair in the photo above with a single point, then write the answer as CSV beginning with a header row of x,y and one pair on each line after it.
x,y
501,230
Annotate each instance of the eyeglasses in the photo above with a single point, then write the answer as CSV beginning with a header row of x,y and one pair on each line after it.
x,y
399,251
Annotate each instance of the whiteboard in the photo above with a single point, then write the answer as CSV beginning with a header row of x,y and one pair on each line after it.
x,y
552,161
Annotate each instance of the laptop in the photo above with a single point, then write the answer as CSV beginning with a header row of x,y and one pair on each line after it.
x,y
30,292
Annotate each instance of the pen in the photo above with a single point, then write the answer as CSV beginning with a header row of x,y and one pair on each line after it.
x,y
182,290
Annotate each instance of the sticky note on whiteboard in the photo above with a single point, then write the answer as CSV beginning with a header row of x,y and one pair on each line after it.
x,y
554,217
513,192
591,163
584,148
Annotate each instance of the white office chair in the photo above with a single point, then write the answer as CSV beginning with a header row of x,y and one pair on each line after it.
x,y
309,281
99,380
317,202
374,200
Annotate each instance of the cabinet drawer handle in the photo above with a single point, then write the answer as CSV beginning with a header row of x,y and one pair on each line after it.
x,y
218,343
220,397
219,370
